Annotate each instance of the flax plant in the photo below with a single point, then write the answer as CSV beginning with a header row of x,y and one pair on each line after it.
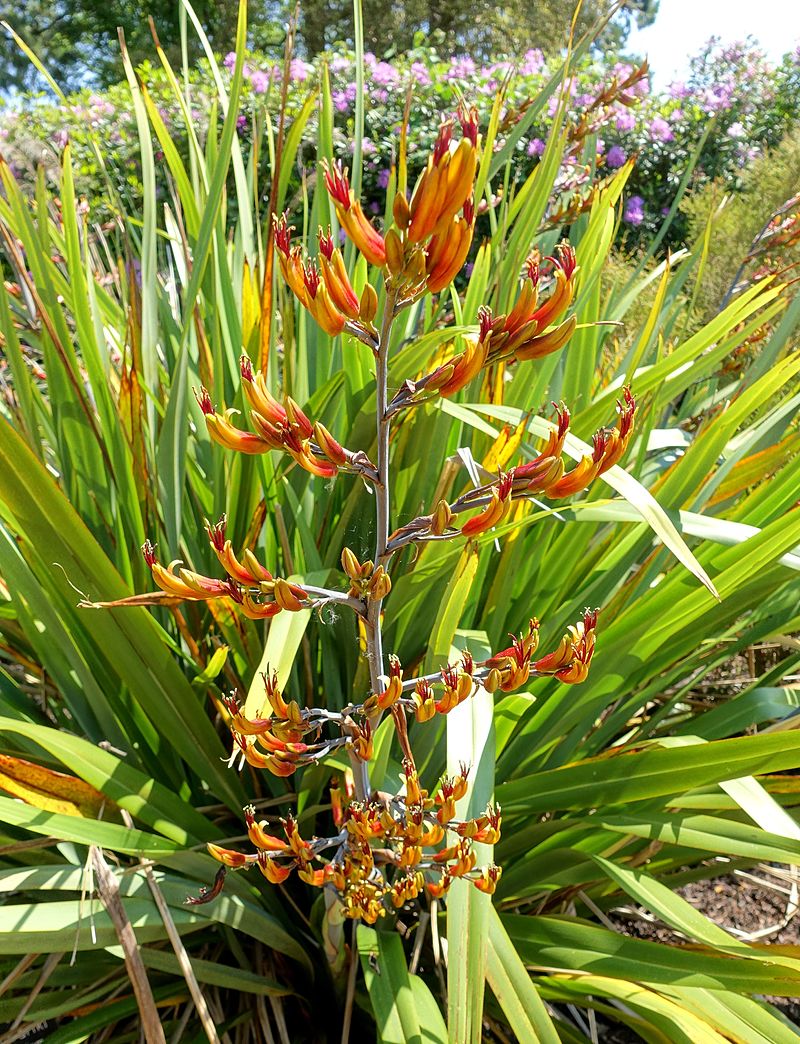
x,y
393,845
350,550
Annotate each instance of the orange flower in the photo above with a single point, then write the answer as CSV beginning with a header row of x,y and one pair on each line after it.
x,y
319,301
513,663
570,661
352,218
235,860
184,583
494,512
262,840
253,573
620,436
447,251
446,183
274,872
222,431
487,882
335,276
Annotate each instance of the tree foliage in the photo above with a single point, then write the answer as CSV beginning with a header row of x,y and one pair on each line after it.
x,y
77,40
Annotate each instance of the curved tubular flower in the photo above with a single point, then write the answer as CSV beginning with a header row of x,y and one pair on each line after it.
x,y
495,511
335,277
252,573
351,217
226,434
183,583
446,183
447,251
570,661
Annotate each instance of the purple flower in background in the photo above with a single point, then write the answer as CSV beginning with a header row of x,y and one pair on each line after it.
x,y
383,178
60,138
299,70
229,60
535,147
339,63
626,120
342,100
677,115
736,130
601,146
678,89
660,130
461,68
241,122
368,147
420,74
385,74
615,157
634,211
381,96
532,62
373,207
259,80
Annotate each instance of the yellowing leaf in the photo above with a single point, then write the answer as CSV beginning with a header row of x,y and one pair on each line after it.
x,y
48,789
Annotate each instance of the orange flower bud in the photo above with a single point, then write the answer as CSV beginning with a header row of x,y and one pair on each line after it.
x,y
543,344
328,446
379,585
395,259
400,211
448,251
441,518
368,305
289,596
494,512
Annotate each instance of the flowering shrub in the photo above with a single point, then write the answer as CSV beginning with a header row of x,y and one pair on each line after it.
x,y
753,103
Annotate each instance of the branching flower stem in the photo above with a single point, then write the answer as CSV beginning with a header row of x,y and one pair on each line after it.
x,y
382,513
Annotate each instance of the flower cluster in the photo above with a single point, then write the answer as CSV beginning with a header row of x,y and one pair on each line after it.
x,y
389,847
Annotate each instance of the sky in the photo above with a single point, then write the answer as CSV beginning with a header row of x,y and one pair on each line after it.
x,y
682,26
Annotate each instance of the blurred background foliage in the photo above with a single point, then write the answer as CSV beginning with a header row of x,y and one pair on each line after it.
x,y
78,38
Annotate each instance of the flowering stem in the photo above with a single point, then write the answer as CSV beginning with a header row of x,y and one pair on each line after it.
x,y
383,424
373,616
